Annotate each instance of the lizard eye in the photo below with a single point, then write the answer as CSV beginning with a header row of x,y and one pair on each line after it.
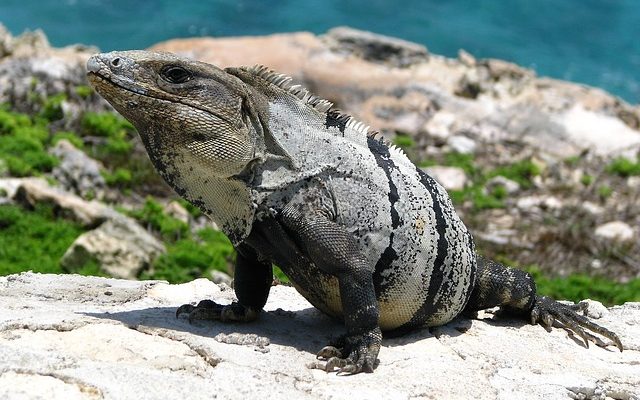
x,y
175,74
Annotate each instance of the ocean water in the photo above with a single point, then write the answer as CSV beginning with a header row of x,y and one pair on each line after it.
x,y
596,42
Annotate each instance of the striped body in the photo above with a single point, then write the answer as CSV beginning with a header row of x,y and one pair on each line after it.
x,y
420,253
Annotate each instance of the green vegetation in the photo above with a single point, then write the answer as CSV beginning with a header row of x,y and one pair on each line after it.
x,y
121,177
117,131
624,167
576,287
153,217
190,258
36,240
83,91
23,143
403,141
604,191
70,136
586,179
521,172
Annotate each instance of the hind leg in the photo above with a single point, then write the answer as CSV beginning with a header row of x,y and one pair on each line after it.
x,y
515,291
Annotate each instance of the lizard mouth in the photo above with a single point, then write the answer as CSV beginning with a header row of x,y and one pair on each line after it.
x,y
98,78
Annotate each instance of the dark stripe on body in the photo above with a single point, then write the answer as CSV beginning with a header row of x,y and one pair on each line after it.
x,y
429,306
383,158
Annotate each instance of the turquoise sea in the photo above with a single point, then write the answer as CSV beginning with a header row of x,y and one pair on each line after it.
x,y
590,41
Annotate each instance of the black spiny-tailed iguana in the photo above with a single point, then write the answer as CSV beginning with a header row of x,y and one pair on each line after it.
x,y
362,233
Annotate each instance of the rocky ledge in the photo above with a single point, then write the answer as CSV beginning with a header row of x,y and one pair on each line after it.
x,y
72,337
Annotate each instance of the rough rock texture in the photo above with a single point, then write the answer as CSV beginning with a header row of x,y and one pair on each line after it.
x,y
120,246
30,191
78,172
73,337
31,70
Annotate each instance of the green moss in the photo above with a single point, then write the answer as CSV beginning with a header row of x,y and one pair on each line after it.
x,y
521,172
577,287
604,191
188,258
572,161
624,167
83,91
121,177
586,180
404,141
105,124
193,210
460,160
70,136
10,121
24,151
51,108
34,240
152,216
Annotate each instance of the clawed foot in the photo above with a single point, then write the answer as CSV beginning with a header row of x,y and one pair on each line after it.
x,y
209,310
546,311
350,354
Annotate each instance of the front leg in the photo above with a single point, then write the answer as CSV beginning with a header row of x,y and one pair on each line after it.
x,y
252,281
334,250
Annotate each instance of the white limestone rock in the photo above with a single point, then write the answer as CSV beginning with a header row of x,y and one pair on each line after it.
x,y
616,231
67,336
451,178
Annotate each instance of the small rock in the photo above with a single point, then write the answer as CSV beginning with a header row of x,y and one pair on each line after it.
x,y
120,246
221,277
595,309
439,125
78,172
462,144
88,213
466,58
451,178
592,208
615,230
633,182
509,185
528,203
177,211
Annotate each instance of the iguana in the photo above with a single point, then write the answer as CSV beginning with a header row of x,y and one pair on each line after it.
x,y
362,233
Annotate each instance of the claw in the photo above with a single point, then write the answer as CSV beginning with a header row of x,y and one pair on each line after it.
x,y
334,362
546,310
348,369
351,354
327,352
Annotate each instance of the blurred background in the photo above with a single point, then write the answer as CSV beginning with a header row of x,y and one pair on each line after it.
x,y
545,173
589,41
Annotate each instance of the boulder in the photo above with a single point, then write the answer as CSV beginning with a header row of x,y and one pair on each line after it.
x,y
120,246
88,213
77,172
69,336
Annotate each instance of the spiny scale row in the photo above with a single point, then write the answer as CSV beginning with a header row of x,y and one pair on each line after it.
x,y
285,82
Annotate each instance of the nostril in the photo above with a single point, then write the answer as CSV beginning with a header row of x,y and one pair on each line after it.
x,y
115,62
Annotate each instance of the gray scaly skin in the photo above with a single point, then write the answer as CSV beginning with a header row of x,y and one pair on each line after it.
x,y
362,233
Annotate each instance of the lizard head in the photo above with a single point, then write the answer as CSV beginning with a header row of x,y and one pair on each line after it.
x,y
190,115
